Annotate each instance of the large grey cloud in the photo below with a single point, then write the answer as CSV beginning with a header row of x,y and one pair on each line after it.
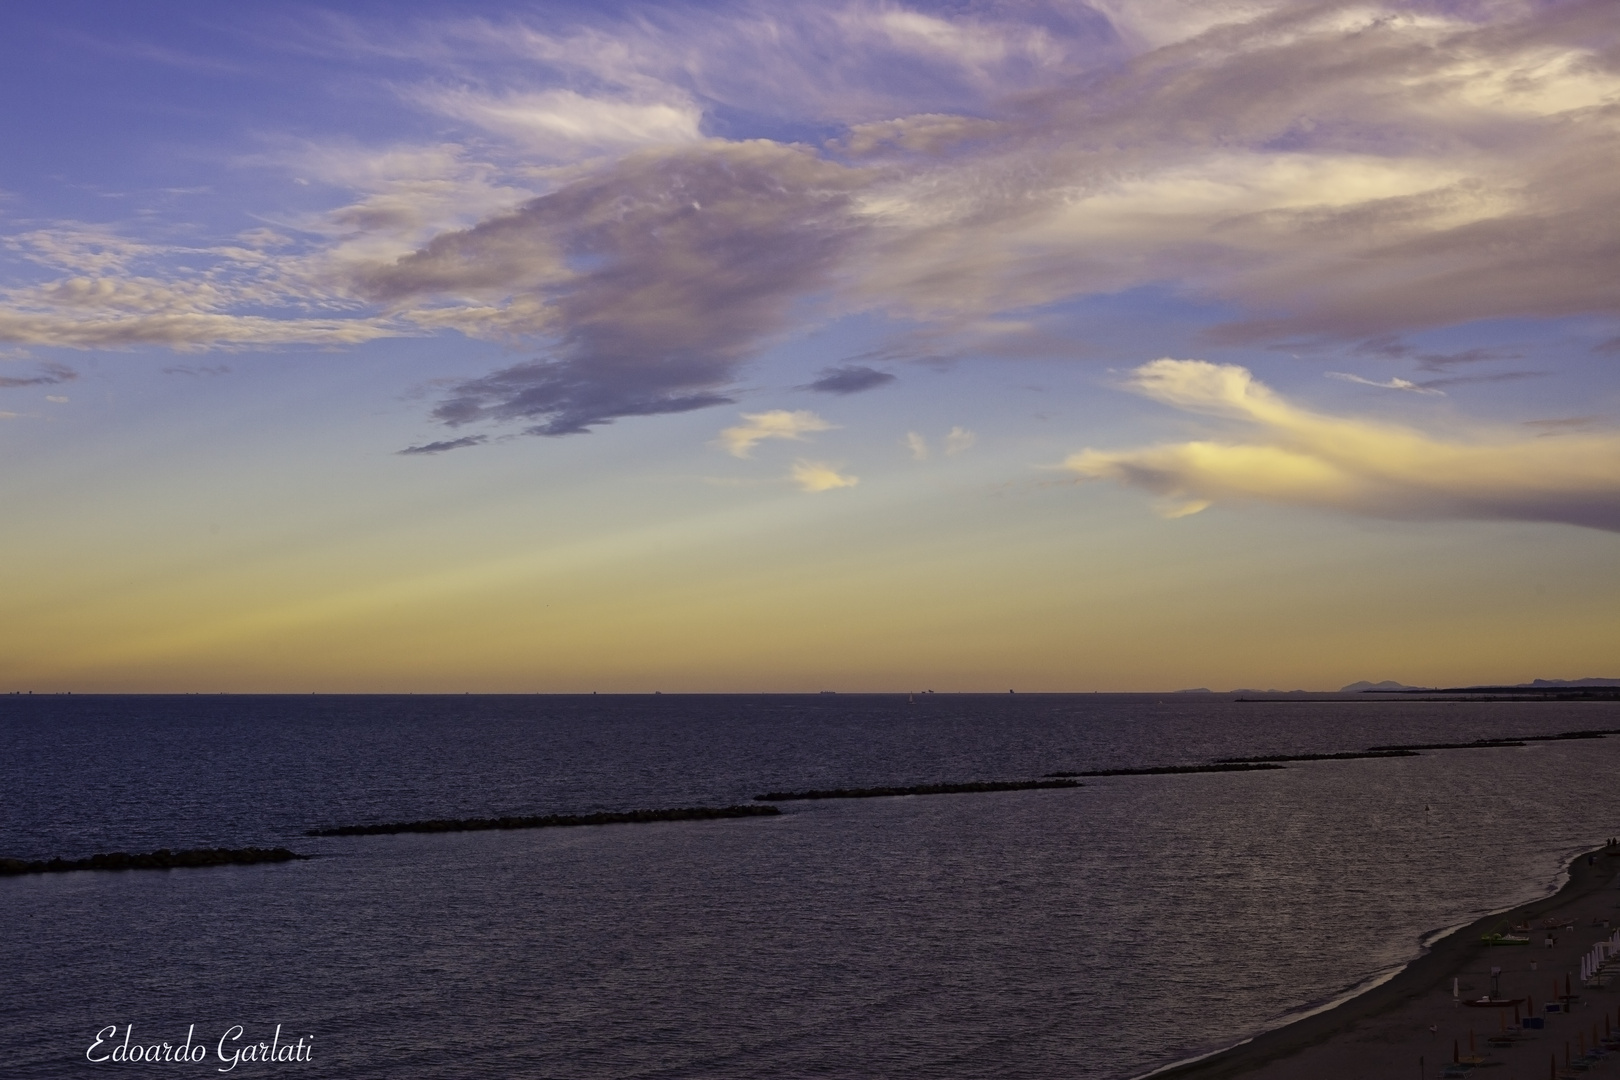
x,y
654,280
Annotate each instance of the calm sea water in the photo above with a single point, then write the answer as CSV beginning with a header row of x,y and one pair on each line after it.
x,y
1090,933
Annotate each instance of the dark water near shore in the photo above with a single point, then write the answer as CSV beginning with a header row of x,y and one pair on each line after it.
x,y
1096,932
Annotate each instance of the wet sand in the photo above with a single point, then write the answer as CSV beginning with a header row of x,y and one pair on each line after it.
x,y
1411,1026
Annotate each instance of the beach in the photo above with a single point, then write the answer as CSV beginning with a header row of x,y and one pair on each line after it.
x,y
1413,1025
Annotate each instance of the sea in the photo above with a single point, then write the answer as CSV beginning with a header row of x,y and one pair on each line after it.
x,y
1102,931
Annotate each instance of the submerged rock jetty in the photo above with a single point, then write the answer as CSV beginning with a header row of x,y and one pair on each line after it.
x,y
548,821
1277,761
1173,770
917,789
1516,740
162,859
1348,755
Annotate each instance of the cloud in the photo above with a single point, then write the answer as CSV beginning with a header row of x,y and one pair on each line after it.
x,y
820,476
849,379
197,370
186,332
959,440
595,195
855,60
654,279
57,399
1343,170
740,441
441,447
51,375
1291,455
561,124
917,445
1392,384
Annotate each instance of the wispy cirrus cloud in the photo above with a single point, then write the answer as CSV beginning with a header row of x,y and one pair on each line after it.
x,y
1283,453
739,441
563,124
1395,383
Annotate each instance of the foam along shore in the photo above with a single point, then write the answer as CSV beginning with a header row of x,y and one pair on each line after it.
x,y
162,859
917,789
548,821
1418,1019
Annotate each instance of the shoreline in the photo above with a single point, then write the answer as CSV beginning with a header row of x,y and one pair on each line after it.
x,y
1446,958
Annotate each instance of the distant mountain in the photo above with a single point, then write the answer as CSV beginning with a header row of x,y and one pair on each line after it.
x,y
1387,684
1572,682
1534,684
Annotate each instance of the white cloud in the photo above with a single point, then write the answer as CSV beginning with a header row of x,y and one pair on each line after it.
x,y
820,476
57,398
561,124
1392,384
917,445
1291,455
740,441
959,440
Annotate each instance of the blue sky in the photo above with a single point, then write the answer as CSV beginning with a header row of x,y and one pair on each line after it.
x,y
1112,346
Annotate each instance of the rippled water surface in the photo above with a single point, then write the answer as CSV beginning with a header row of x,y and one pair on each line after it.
x,y
1096,932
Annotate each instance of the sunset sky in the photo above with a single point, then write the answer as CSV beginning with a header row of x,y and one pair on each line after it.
x,y
1130,345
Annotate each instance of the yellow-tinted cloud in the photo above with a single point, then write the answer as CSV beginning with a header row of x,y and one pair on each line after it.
x,y
820,476
740,441
1293,455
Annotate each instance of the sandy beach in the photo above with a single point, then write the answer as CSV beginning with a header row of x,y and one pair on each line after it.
x,y
1413,1026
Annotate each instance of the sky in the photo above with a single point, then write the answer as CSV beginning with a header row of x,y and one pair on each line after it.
x,y
1130,345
